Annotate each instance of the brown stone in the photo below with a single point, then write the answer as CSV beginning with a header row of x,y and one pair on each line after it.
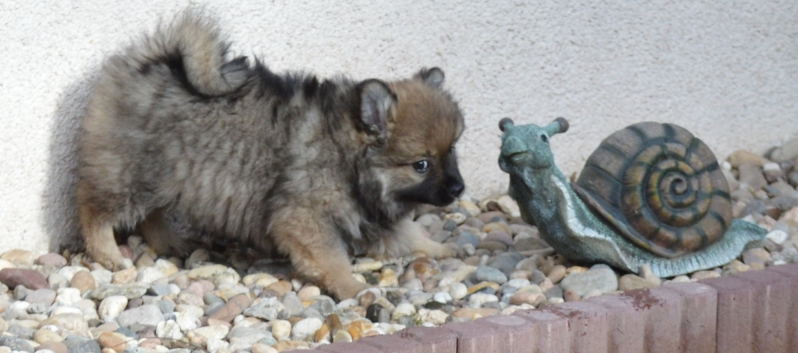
x,y
232,308
113,340
56,347
557,273
18,257
322,333
631,282
281,287
473,313
83,281
125,276
571,296
740,157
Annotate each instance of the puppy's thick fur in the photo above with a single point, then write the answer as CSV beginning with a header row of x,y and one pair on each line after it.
x,y
316,168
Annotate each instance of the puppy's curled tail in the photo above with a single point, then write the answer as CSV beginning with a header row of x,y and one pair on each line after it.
x,y
196,41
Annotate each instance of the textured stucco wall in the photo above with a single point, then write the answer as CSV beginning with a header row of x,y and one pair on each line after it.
x,y
729,73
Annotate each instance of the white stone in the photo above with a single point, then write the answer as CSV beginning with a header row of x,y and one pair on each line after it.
x,y
305,329
207,271
187,321
102,276
111,307
192,310
509,206
166,267
6,264
346,303
778,236
367,267
437,317
457,217
149,274
68,296
446,281
261,279
66,310
477,299
771,167
517,283
470,207
442,297
281,329
458,290
403,309
169,330
212,332
215,345
69,271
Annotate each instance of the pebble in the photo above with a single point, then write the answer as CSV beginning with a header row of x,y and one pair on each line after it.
x,y
556,274
116,341
281,329
489,274
19,257
632,281
600,278
51,259
142,315
31,279
265,308
756,256
83,281
43,296
112,306
305,329
699,275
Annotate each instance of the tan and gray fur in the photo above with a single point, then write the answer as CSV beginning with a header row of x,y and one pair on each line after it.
x,y
314,168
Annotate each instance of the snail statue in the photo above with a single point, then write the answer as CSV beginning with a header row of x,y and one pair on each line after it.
x,y
650,194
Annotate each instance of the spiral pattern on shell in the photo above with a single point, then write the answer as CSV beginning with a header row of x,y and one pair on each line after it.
x,y
660,187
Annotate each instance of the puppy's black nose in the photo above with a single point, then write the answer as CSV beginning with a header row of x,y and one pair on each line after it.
x,y
455,189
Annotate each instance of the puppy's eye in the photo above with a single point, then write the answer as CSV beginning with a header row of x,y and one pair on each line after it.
x,y
421,166
544,138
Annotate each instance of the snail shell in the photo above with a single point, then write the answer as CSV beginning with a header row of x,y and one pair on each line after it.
x,y
660,187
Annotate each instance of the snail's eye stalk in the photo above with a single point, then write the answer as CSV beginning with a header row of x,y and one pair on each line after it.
x,y
505,123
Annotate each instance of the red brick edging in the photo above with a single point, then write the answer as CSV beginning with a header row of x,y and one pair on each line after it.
x,y
745,312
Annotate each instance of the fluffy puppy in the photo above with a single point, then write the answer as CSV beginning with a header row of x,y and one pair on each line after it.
x,y
314,168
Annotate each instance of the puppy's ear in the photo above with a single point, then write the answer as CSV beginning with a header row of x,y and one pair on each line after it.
x,y
376,105
432,77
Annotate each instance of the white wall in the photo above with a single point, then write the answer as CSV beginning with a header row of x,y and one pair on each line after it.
x,y
727,72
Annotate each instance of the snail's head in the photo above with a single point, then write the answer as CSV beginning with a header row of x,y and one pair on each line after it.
x,y
527,146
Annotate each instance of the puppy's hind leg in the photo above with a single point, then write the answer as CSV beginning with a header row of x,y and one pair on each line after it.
x,y
160,237
408,237
316,252
98,232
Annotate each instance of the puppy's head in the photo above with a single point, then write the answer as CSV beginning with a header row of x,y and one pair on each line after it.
x,y
415,125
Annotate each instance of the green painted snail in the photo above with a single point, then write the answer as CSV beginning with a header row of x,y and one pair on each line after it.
x,y
651,194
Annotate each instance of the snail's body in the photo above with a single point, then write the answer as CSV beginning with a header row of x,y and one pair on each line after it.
x,y
547,199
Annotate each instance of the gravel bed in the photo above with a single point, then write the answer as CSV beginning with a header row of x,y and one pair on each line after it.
x,y
234,302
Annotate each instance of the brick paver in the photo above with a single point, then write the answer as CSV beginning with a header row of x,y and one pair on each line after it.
x,y
699,316
551,331
735,314
771,305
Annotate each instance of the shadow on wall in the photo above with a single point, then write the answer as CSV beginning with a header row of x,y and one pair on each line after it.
x,y
58,201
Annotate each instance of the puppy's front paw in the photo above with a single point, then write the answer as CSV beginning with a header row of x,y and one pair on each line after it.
x,y
112,263
347,288
439,251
